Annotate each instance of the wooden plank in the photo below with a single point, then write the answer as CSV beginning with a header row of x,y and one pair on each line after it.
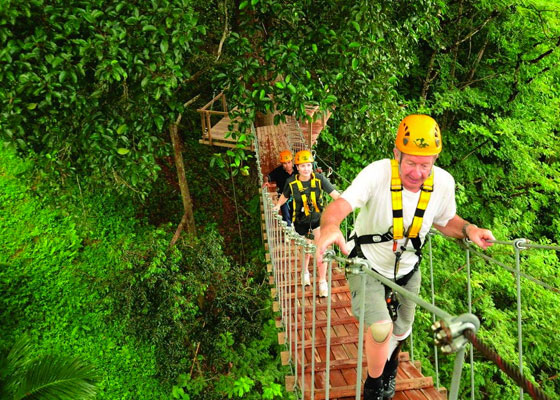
x,y
290,383
350,390
415,395
334,341
281,338
285,357
408,368
323,322
418,365
432,393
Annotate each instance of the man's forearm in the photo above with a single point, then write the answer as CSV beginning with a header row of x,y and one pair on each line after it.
x,y
335,213
454,227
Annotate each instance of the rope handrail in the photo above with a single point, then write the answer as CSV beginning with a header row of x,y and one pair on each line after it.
x,y
511,371
519,244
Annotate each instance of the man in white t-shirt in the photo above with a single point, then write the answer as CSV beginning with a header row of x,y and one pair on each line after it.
x,y
399,201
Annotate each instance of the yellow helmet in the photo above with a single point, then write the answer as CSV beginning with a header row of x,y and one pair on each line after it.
x,y
304,156
419,135
285,156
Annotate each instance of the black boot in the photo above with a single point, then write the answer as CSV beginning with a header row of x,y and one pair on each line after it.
x,y
390,374
373,388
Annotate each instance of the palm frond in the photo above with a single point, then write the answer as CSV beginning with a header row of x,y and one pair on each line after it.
x,y
57,378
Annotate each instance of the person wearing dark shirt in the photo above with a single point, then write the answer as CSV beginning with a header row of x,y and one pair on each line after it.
x,y
280,175
306,188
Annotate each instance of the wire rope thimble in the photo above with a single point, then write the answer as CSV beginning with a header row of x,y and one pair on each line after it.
x,y
328,255
466,242
520,243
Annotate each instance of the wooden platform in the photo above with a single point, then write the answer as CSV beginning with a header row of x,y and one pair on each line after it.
x,y
411,384
218,135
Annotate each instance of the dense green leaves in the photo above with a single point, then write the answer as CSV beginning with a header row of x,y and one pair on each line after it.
x,y
89,90
89,279
82,81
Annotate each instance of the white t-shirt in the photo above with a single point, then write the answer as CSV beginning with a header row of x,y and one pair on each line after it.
x,y
370,191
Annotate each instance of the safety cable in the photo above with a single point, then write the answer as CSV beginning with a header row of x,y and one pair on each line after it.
x,y
511,371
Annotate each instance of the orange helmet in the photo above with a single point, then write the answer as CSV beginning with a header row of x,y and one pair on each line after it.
x,y
285,156
419,135
304,156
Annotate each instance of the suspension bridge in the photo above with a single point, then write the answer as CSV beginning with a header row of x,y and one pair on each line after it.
x,y
323,341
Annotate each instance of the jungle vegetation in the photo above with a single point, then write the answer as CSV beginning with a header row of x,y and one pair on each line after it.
x,y
92,93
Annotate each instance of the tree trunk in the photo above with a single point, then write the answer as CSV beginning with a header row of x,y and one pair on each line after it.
x,y
183,185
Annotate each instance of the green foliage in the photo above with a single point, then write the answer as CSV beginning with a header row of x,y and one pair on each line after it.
x,y
249,374
55,377
89,279
89,90
90,87
179,300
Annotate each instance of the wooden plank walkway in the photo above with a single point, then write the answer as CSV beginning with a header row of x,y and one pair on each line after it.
x,y
411,384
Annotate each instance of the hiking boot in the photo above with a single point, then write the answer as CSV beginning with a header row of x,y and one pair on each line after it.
x,y
323,289
390,374
389,385
306,278
373,394
373,388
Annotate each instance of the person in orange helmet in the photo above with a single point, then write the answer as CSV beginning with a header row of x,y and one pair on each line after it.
x,y
399,201
280,175
306,189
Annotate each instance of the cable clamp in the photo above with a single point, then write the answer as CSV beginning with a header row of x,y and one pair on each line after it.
x,y
448,335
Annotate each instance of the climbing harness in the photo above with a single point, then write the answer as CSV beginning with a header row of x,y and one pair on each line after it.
x,y
309,197
310,202
396,232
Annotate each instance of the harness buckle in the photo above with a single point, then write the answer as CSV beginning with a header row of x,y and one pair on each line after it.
x,y
427,188
397,188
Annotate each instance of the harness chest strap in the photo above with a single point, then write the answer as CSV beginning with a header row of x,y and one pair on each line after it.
x,y
396,204
396,201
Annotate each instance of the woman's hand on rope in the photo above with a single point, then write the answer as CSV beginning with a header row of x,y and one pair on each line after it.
x,y
329,234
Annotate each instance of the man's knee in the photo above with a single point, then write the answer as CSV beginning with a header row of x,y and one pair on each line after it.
x,y
380,331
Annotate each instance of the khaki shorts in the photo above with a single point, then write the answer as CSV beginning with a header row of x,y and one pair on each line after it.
x,y
375,306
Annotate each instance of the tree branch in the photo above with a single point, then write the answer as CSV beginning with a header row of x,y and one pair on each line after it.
x,y
474,32
545,54
224,34
475,65
429,76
